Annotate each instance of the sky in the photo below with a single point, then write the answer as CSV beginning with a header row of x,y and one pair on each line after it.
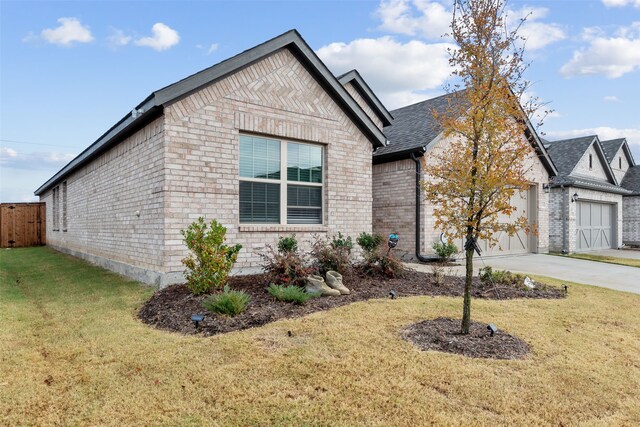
x,y
70,70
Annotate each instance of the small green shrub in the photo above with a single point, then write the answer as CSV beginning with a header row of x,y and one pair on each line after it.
x,y
292,294
288,244
444,250
228,303
369,242
499,277
333,255
210,260
381,263
285,266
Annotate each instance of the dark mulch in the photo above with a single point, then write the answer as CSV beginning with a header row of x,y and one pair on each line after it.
x,y
171,308
443,334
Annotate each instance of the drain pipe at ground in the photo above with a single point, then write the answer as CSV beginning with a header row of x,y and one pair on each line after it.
x,y
421,258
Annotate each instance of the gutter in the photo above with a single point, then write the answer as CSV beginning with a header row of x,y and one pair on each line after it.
x,y
421,258
565,218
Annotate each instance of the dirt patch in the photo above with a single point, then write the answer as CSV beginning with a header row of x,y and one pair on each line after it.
x,y
443,334
171,308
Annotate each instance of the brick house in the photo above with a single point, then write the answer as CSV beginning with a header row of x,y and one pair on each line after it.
x,y
267,142
586,204
399,204
627,173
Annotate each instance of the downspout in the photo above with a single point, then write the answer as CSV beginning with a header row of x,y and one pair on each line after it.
x,y
420,257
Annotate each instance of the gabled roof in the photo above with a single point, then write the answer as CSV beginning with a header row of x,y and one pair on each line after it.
x,y
154,104
414,128
566,154
612,146
371,99
631,180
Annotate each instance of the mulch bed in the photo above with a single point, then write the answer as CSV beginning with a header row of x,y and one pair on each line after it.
x,y
171,308
443,334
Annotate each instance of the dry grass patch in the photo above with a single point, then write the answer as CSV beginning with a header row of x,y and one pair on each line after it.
x,y
72,352
608,259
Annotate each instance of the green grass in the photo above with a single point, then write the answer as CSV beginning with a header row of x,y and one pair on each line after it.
x,y
608,259
73,353
293,294
228,302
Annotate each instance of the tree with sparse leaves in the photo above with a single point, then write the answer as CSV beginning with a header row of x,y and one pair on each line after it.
x,y
486,162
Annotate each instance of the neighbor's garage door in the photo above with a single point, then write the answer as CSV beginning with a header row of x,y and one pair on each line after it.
x,y
594,226
519,242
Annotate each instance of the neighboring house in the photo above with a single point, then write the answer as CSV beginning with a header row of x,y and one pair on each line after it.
x,y
631,207
268,142
586,198
399,204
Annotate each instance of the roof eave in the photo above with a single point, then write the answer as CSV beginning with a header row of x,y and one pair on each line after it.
x,y
372,100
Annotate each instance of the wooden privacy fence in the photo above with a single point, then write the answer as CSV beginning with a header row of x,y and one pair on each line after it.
x,y
22,224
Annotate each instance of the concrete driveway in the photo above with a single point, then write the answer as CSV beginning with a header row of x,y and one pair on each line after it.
x,y
618,277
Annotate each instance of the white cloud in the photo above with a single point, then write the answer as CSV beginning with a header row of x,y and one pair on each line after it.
x,y
209,49
609,56
620,3
70,30
604,133
39,160
610,98
118,38
163,38
429,19
399,73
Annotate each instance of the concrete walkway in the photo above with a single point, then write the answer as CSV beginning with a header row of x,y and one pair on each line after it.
x,y
618,277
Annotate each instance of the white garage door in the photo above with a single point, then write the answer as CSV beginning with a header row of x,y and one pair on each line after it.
x,y
519,243
594,226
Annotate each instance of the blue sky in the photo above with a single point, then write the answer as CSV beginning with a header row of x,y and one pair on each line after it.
x,y
70,70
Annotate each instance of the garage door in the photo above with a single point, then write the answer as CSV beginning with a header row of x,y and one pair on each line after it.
x,y
519,243
594,226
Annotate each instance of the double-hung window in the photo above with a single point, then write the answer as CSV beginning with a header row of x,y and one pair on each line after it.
x,y
280,181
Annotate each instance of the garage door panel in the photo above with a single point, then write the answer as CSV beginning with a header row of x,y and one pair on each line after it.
x,y
594,225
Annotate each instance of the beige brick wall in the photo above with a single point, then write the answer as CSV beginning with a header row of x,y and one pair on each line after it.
x,y
363,104
275,97
104,197
618,171
596,171
394,200
631,220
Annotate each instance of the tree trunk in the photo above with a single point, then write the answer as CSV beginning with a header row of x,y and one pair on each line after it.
x,y
466,310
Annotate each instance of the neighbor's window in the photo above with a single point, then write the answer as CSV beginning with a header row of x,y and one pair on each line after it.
x,y
619,162
64,206
56,208
268,194
590,161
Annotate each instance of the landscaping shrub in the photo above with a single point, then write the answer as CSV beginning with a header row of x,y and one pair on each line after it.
x,y
378,259
333,255
286,265
292,294
444,250
210,260
369,242
499,277
228,303
288,244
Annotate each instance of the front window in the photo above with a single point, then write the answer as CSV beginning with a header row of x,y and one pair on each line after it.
x,y
269,196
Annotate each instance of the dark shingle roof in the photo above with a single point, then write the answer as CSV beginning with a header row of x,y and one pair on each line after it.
x,y
631,180
414,126
590,184
611,147
567,153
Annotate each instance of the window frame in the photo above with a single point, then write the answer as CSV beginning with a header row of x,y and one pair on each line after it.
x,y
284,182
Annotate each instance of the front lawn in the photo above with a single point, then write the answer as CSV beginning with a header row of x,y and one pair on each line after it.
x,y
608,259
73,353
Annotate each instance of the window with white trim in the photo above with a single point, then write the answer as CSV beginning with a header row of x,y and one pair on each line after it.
x,y
281,182
56,208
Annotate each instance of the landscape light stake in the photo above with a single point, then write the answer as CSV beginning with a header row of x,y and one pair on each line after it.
x,y
566,289
393,294
196,319
492,329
